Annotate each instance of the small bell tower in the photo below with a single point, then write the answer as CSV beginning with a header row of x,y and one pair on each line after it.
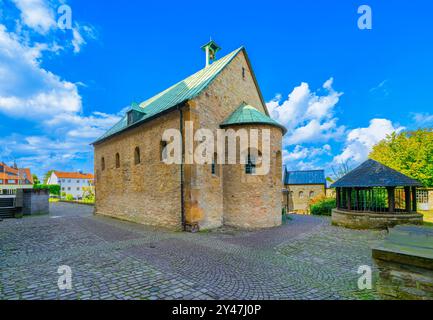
x,y
211,48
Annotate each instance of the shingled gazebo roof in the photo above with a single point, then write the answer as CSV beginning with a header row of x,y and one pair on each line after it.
x,y
374,174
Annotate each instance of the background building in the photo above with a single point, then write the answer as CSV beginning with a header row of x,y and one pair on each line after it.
x,y
302,186
425,199
12,178
71,182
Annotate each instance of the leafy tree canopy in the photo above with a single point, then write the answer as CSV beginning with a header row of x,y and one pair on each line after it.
x,y
35,179
53,188
410,152
342,169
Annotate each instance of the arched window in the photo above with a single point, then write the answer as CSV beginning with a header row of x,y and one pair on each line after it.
x,y
312,194
117,160
254,157
301,194
102,164
163,150
250,166
215,168
137,159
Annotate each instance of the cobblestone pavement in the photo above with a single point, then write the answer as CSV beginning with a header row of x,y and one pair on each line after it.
x,y
304,259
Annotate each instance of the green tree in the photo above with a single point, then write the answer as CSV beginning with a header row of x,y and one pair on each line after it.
x,y
35,179
47,176
410,153
89,194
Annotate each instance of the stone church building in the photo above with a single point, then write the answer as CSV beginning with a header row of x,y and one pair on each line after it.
x,y
135,184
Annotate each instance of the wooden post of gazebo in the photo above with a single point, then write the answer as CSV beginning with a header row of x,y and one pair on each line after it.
x,y
349,199
407,199
337,195
391,199
357,198
414,200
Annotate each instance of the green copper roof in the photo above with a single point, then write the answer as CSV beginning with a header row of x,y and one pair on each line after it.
x,y
212,45
247,114
184,90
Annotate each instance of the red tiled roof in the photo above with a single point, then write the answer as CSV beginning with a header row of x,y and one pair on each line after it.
x,y
26,174
73,175
9,169
6,176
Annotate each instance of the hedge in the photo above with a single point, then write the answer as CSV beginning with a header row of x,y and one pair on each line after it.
x,y
323,207
54,189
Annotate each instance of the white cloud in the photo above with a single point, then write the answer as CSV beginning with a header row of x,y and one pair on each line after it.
x,y
300,152
77,41
36,14
314,132
310,120
308,117
381,88
37,95
422,119
31,91
305,158
80,33
65,147
360,141
87,128
42,153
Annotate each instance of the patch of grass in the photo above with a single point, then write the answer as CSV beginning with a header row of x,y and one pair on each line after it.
x,y
205,231
54,200
428,218
428,215
428,224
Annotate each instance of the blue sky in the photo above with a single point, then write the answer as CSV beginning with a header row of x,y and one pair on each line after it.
x,y
337,88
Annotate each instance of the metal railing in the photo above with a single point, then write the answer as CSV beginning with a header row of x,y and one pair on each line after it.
x,y
372,200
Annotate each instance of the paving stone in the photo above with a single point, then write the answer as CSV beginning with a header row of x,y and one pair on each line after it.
x,y
306,258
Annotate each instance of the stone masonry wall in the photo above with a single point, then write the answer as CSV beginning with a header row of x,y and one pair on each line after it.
x,y
254,201
147,193
35,202
368,220
404,282
229,90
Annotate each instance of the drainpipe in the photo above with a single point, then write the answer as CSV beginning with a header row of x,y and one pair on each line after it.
x,y
182,173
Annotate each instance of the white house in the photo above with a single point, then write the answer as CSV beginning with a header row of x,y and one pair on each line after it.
x,y
72,182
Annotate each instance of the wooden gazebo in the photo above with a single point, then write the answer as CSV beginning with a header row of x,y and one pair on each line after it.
x,y
374,190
